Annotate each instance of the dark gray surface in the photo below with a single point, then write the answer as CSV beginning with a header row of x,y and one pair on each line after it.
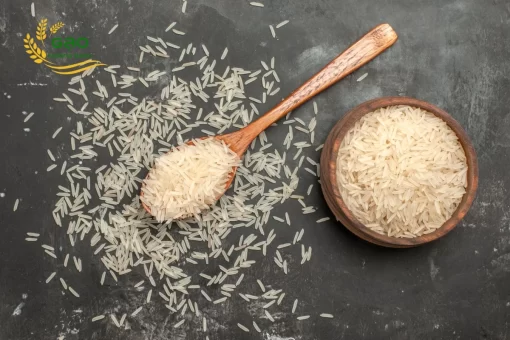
x,y
455,54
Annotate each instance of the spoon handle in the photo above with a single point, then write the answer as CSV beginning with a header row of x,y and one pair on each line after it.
x,y
364,50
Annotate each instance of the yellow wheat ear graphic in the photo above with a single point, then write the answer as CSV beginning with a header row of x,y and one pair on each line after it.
x,y
54,29
36,54
39,56
41,30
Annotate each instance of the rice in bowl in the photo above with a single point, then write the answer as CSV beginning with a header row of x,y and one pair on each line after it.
x,y
401,171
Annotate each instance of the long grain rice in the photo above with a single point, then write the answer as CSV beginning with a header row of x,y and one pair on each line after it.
x,y
401,171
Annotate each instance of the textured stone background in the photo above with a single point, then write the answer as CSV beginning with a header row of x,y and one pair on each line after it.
x,y
453,53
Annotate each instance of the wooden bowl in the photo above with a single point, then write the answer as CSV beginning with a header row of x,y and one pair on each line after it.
x,y
332,193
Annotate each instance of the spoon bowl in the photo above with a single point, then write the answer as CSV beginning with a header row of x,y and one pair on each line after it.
x,y
235,142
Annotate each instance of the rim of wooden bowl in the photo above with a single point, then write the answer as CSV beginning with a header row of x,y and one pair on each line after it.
x,y
332,193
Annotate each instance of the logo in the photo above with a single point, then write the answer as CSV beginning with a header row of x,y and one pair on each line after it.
x,y
49,60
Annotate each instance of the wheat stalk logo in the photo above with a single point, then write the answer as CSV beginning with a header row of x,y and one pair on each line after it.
x,y
54,29
39,56
41,30
36,54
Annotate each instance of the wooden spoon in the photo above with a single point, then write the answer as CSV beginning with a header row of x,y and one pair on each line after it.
x,y
364,50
